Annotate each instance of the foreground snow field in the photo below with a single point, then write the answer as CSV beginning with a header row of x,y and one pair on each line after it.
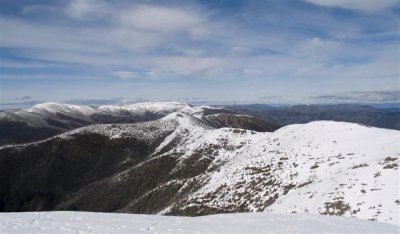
x,y
90,222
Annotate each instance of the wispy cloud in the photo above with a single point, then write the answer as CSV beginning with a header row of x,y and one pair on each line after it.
x,y
251,48
126,74
187,66
96,102
17,105
361,97
362,5
160,19
86,8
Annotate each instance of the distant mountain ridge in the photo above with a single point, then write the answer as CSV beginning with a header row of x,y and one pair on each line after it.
x,y
362,114
70,115
48,119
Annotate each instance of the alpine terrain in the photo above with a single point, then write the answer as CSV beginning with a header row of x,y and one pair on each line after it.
x,y
186,164
49,119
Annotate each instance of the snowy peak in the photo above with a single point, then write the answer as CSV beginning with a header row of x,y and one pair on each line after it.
x,y
161,108
48,119
329,135
176,121
53,107
136,109
282,171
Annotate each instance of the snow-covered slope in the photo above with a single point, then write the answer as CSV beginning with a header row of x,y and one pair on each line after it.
x,y
48,119
88,222
322,167
39,115
160,108
187,167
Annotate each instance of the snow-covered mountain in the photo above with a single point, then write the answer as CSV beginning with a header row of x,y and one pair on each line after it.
x,y
48,119
182,165
319,168
294,114
45,114
89,222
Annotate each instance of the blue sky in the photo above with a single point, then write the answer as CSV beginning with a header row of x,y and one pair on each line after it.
x,y
217,51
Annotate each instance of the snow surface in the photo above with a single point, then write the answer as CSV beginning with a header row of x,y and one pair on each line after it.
x,y
144,107
322,167
91,222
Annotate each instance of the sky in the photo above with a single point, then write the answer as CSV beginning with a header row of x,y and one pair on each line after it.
x,y
96,52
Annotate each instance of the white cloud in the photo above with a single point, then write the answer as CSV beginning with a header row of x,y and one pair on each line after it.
x,y
160,19
252,72
37,8
317,43
133,35
361,5
175,41
318,48
125,75
361,96
190,65
199,32
359,73
4,63
39,36
83,8
134,40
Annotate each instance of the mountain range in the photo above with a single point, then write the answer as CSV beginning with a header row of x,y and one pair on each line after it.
x,y
49,119
199,160
355,113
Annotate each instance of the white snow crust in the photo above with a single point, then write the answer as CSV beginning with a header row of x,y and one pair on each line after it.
x,y
91,222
